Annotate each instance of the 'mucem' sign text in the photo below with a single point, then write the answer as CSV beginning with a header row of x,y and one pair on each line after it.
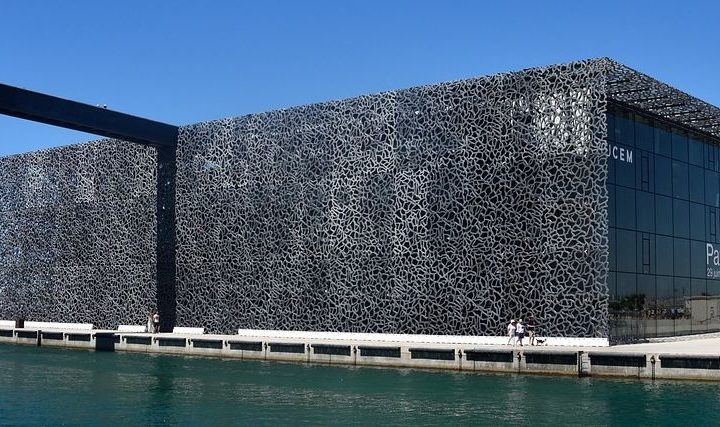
x,y
620,153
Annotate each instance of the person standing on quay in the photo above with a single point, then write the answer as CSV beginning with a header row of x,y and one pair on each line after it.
x,y
520,331
156,322
511,332
532,324
149,325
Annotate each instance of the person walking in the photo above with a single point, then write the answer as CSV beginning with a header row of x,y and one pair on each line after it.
x,y
531,326
511,332
156,322
520,331
149,325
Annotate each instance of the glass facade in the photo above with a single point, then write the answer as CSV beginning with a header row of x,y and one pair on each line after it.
x,y
663,189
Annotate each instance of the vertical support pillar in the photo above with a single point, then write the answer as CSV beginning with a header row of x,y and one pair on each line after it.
x,y
165,246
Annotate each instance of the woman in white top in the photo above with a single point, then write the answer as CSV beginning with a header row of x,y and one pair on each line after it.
x,y
520,331
149,325
511,332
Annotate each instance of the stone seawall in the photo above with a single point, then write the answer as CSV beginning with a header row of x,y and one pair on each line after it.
x,y
677,360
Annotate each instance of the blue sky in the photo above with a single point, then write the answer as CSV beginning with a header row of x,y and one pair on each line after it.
x,y
183,62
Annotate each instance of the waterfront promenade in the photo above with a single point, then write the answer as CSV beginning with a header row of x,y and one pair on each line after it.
x,y
691,357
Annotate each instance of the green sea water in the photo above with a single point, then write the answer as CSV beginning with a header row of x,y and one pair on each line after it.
x,y
45,386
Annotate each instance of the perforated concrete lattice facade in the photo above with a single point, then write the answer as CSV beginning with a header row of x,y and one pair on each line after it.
x,y
77,234
443,209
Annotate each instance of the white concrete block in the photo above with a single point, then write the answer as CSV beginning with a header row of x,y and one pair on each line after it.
x,y
131,328
188,330
57,325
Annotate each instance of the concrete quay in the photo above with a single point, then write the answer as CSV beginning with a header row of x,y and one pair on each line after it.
x,y
695,357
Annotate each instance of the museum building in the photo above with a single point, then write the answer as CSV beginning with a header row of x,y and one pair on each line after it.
x,y
664,269
584,194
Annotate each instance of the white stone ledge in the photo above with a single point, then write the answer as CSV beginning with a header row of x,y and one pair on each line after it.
x,y
56,325
416,338
131,328
188,330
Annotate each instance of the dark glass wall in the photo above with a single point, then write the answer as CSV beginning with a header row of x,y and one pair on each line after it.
x,y
664,275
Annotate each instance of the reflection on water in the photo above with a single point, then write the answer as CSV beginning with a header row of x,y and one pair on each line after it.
x,y
53,386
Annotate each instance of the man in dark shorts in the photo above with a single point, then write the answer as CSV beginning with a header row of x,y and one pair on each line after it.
x,y
531,326
156,322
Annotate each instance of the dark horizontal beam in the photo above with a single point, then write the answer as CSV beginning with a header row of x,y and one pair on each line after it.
x,y
52,110
652,98
667,106
626,91
694,120
684,112
618,81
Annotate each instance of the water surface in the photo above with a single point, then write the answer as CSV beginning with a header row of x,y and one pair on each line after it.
x,y
46,386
